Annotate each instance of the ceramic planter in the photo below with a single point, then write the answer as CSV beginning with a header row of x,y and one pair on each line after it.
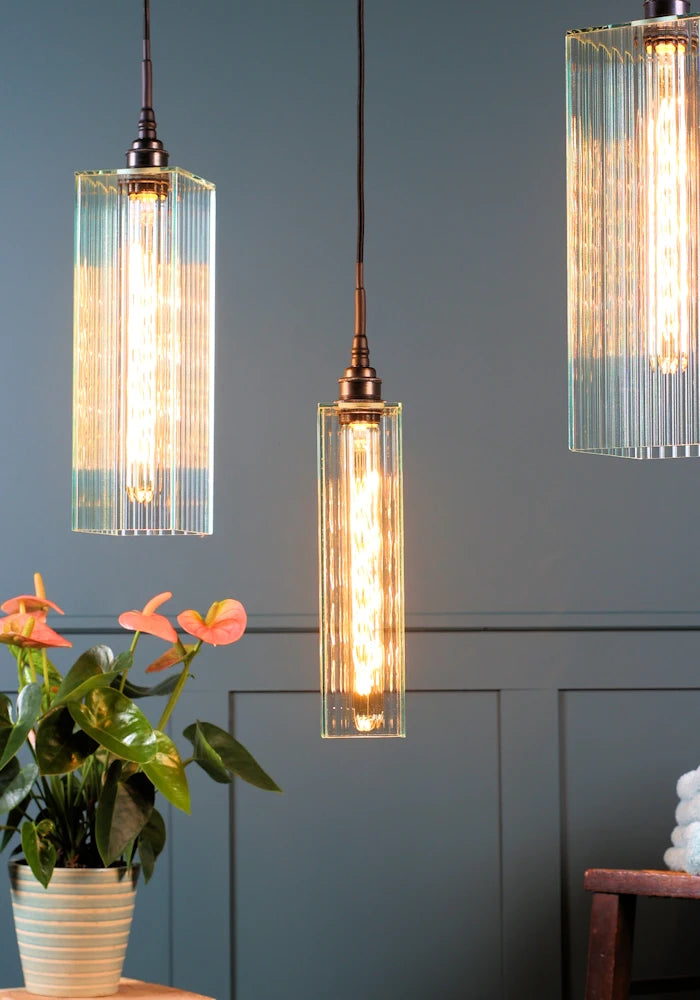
x,y
72,936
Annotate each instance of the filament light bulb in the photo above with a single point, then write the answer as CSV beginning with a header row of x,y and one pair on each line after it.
x,y
361,446
142,319
667,169
361,570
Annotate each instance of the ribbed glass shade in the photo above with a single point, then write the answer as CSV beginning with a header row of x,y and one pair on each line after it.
x,y
143,389
361,570
633,213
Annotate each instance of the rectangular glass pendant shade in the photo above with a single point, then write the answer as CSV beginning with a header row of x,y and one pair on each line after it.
x,y
143,389
361,570
633,249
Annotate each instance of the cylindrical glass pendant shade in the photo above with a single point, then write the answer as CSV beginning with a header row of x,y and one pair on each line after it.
x,y
633,94
143,391
361,570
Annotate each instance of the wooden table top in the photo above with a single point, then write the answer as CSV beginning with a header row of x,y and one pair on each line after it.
x,y
129,989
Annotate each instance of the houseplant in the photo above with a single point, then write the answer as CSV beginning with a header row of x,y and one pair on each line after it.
x,y
81,764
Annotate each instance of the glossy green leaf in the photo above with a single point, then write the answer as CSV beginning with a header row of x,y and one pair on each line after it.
x,y
116,723
14,819
58,748
8,774
18,789
89,671
135,691
122,811
206,737
38,849
207,758
167,773
151,843
28,711
5,721
123,661
5,712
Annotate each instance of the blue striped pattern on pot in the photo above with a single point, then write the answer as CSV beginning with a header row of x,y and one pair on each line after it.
x,y
73,935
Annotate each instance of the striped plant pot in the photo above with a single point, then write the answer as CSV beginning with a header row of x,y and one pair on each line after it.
x,y
72,936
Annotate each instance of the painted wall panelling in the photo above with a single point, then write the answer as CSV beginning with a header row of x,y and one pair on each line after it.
x,y
448,864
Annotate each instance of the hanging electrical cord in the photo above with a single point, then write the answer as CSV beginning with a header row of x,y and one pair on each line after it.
x,y
147,150
359,283
360,382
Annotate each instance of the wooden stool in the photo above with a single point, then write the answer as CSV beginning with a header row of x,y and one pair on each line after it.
x,y
129,989
611,936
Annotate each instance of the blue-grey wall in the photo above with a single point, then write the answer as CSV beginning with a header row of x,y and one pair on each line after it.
x,y
546,728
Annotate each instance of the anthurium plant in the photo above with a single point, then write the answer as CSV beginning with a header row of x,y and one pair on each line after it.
x,y
80,762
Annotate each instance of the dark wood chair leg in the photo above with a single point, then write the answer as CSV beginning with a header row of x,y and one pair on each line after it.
x,y
610,946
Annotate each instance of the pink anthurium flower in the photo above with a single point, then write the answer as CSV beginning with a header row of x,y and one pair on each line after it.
x,y
29,630
30,603
149,622
225,622
36,604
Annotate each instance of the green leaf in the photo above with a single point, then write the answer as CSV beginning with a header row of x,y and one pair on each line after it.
x,y
8,774
39,851
123,661
116,723
13,820
165,687
167,773
205,755
59,749
208,738
122,811
5,712
17,789
151,843
89,671
28,711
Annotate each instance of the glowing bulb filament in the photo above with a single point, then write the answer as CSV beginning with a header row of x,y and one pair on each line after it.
x,y
366,603
667,207
141,339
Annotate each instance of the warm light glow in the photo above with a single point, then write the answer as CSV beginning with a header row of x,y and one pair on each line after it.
x,y
361,571
365,639
667,207
141,339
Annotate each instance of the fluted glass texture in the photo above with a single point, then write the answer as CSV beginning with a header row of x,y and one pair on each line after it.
x,y
633,214
361,571
143,356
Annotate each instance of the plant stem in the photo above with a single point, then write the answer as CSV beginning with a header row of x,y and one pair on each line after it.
x,y
177,690
47,689
132,649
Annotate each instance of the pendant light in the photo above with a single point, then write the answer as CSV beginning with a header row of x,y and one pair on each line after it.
x,y
143,390
361,529
633,105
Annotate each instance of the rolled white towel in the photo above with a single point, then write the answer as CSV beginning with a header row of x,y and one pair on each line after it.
x,y
679,835
688,811
692,850
675,858
688,784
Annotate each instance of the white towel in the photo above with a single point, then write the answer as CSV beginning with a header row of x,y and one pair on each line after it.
x,y
675,859
688,811
688,784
